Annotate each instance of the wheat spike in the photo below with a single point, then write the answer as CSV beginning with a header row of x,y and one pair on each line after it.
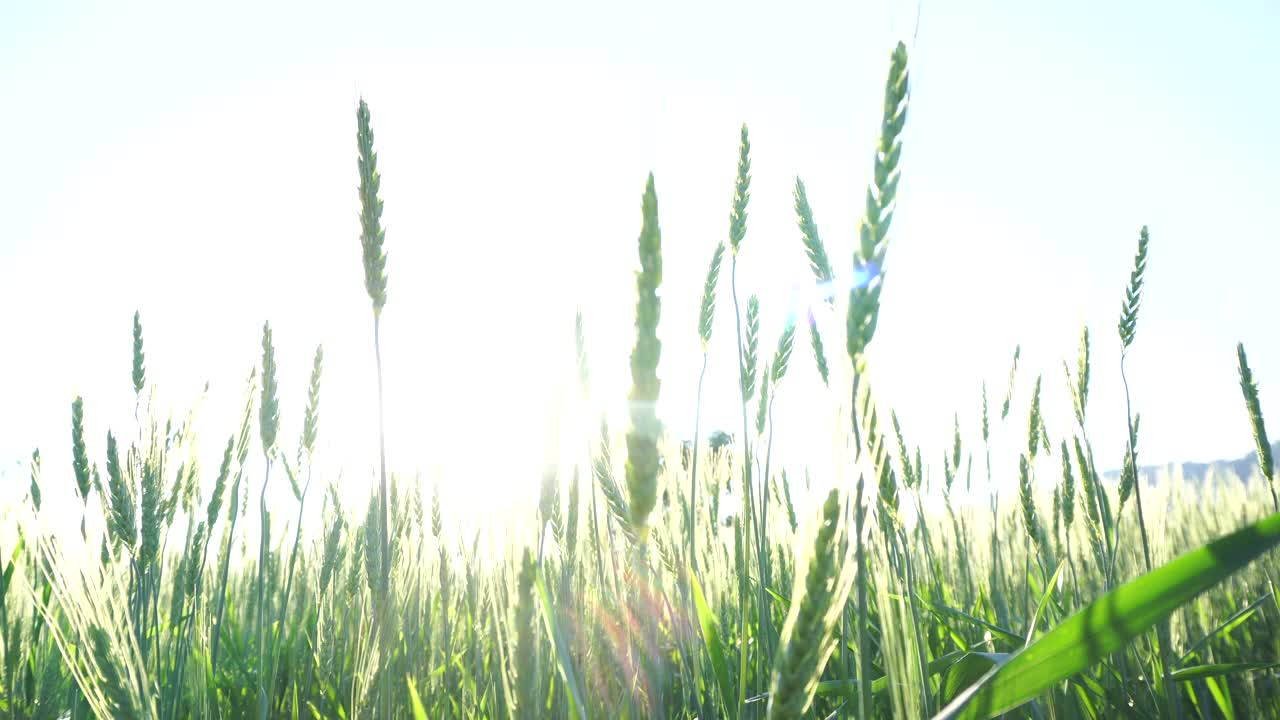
x,y
807,639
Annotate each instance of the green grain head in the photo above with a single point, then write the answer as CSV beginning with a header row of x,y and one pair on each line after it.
x,y
819,352
149,527
642,436
121,523
79,455
751,355
741,193
782,355
1068,491
707,312
269,410
873,229
311,420
580,345
1080,388
1133,294
526,639
1035,423
1260,441
371,232
1129,473
819,263
35,479
1030,518
1013,374
909,477
818,598
762,407
139,357
220,485
986,418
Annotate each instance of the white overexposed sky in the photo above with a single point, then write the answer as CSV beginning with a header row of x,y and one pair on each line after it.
x,y
198,164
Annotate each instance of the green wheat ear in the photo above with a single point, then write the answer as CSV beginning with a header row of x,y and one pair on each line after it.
x,y
122,524
1081,391
904,456
813,247
1013,373
311,420
956,448
79,455
986,418
35,479
1035,422
751,357
782,355
371,232
819,352
873,230
580,346
1030,518
706,315
526,650
269,412
741,193
642,437
1068,489
139,357
808,639
762,407
1250,389
1133,295
1129,474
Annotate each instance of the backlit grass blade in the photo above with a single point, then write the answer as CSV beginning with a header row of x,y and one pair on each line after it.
x,y
880,683
1231,623
1044,600
419,712
715,650
969,670
1110,622
1198,672
563,657
943,612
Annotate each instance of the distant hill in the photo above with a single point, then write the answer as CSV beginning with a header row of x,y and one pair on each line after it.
x,y
1245,467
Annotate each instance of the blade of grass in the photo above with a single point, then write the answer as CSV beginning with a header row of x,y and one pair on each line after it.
x,y
1197,672
1109,623
715,650
564,659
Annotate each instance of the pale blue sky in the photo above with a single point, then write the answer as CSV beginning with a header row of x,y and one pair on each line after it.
x,y
199,165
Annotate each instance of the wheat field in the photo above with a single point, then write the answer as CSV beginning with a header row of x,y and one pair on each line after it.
x,y
648,582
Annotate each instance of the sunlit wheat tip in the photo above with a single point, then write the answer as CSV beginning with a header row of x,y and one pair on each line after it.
x,y
139,357
269,409
818,598
122,523
751,353
642,436
311,419
741,193
1263,445
35,479
707,310
1035,422
79,455
1133,293
371,232
819,263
